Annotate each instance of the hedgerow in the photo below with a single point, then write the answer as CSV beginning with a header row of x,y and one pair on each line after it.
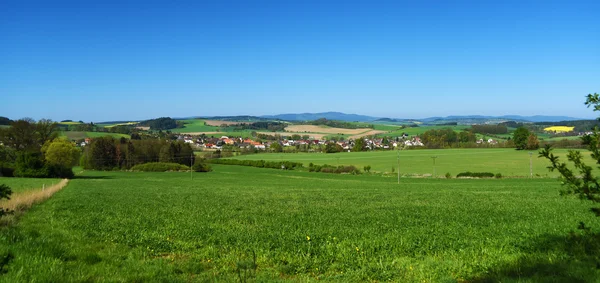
x,y
286,165
476,174
159,167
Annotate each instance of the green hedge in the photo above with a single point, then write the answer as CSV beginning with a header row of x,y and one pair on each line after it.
x,y
332,169
476,174
200,165
287,165
159,167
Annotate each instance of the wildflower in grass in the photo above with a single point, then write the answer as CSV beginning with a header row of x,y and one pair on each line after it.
x,y
308,238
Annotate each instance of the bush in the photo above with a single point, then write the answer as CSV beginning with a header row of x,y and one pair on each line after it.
x,y
59,171
448,175
325,168
6,171
367,168
200,165
498,176
159,167
5,192
475,174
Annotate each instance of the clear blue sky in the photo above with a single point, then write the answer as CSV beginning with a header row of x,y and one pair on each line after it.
x,y
128,60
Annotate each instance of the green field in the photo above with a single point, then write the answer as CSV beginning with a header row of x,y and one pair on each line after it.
x,y
195,126
74,135
240,223
24,184
507,161
69,123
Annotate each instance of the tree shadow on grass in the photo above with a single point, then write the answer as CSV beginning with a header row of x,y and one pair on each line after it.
x,y
571,258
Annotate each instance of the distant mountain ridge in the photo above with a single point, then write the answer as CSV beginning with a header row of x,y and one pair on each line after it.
x,y
364,118
327,115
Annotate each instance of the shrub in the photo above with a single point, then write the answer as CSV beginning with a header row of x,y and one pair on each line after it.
x,y
5,192
159,167
498,176
367,168
200,165
448,175
326,168
475,174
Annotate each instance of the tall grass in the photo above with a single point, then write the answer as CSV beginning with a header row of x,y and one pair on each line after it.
x,y
22,201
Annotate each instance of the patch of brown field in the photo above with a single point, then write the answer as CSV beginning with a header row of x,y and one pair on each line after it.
x,y
219,123
143,128
311,135
372,132
325,130
20,202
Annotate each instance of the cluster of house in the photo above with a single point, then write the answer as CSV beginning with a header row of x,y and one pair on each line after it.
x,y
218,143
490,141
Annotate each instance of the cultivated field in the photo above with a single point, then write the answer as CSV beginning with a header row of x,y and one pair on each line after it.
x,y
323,130
508,162
218,123
241,223
559,129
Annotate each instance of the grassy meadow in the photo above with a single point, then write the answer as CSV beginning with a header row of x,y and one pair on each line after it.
x,y
75,135
240,223
507,161
195,126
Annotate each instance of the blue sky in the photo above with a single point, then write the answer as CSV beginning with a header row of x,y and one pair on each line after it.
x,y
128,60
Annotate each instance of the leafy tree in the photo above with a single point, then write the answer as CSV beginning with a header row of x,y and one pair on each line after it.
x,y
5,193
20,135
8,156
46,130
359,145
333,148
167,153
276,147
466,136
101,154
61,152
532,142
30,165
27,135
520,137
581,181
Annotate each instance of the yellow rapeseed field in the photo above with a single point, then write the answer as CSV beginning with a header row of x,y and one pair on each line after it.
x,y
559,129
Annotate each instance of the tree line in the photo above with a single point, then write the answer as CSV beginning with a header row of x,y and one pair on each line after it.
x,y
338,124
162,123
34,149
108,153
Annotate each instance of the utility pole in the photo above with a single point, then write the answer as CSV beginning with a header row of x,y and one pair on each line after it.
x,y
434,157
398,167
530,165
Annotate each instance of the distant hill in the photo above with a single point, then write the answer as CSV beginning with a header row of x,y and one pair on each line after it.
x,y
240,118
327,115
517,118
